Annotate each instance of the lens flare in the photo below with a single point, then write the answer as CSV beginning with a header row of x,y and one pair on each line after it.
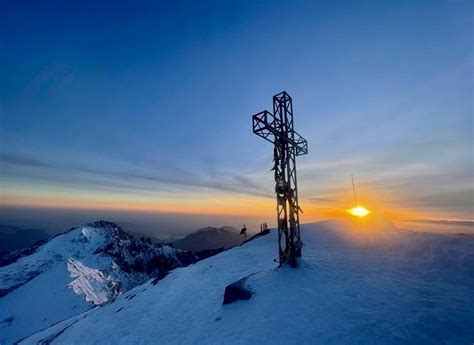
x,y
359,211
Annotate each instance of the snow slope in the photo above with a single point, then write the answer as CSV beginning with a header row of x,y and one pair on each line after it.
x,y
75,271
357,283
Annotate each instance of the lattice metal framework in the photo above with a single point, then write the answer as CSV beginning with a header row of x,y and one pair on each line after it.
x,y
278,129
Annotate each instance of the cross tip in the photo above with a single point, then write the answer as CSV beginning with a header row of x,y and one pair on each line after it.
x,y
282,95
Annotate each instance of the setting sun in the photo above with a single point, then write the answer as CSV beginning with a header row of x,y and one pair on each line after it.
x,y
359,211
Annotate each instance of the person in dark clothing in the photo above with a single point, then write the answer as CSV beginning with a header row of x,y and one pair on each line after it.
x,y
244,232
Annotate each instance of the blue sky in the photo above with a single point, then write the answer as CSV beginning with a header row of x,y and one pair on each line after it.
x,y
150,103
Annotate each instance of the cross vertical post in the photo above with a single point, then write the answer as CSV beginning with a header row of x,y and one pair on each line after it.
x,y
278,128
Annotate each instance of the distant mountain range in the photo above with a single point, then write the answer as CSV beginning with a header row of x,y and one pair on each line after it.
x,y
210,238
14,238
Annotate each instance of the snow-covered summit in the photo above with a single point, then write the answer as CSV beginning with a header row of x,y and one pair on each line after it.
x,y
74,271
374,287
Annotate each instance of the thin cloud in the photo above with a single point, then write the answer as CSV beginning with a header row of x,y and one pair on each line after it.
x,y
75,174
467,223
23,161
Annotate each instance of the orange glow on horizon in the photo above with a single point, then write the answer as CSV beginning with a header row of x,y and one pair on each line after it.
x,y
219,205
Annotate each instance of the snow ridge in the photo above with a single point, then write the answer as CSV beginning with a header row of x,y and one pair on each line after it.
x,y
72,272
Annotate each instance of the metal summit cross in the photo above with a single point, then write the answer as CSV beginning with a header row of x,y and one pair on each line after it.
x,y
278,129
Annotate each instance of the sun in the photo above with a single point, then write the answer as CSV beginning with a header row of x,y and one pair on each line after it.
x,y
359,211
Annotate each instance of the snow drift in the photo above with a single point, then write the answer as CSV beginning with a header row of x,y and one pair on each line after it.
x,y
379,287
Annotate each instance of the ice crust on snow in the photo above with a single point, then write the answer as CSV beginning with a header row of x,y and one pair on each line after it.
x,y
380,287
96,286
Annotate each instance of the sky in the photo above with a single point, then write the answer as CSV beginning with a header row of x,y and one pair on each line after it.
x,y
145,107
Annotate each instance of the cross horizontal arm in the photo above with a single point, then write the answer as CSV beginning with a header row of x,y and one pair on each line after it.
x,y
265,124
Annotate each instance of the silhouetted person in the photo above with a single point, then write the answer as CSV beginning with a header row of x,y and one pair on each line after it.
x,y
244,232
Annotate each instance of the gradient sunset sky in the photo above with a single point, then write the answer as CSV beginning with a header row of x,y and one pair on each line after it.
x,y
146,106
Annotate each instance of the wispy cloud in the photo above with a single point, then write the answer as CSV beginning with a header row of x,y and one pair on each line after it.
x,y
120,178
467,223
24,161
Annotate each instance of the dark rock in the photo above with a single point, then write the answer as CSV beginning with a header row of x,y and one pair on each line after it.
x,y
257,235
237,291
160,275
8,321
140,255
204,254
